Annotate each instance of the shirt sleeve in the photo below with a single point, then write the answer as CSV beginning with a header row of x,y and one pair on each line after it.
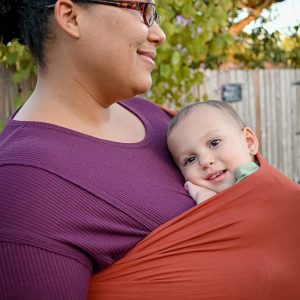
x,y
37,260
32,273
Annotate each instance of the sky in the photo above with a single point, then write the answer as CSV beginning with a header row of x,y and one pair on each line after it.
x,y
285,14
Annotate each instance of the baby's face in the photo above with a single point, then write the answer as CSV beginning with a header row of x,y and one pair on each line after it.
x,y
208,146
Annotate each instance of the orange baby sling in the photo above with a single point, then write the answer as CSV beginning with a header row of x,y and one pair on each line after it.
x,y
242,244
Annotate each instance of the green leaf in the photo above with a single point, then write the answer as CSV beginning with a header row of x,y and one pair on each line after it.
x,y
165,71
176,58
11,58
21,75
187,10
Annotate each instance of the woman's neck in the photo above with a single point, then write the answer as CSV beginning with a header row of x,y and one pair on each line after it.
x,y
69,105
64,103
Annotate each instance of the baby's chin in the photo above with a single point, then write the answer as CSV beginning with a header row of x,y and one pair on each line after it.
x,y
227,182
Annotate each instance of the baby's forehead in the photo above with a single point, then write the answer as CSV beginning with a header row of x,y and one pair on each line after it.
x,y
214,114
206,112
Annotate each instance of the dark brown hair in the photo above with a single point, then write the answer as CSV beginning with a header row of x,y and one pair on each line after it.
x,y
27,21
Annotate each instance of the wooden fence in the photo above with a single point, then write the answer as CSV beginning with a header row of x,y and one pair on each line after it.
x,y
270,104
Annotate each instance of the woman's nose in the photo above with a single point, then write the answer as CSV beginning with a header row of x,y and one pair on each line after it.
x,y
156,34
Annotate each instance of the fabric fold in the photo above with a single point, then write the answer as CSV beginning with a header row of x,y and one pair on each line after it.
x,y
241,244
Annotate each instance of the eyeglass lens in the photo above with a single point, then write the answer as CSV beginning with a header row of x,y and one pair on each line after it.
x,y
151,15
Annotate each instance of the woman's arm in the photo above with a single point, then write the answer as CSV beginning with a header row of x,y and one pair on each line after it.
x,y
32,273
37,258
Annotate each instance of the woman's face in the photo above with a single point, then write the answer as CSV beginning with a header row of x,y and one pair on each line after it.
x,y
118,50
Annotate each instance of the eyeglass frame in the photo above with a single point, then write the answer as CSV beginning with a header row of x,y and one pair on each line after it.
x,y
134,5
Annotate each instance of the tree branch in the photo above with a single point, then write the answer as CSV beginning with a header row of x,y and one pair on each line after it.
x,y
254,14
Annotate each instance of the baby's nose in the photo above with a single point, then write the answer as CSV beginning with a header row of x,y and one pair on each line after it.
x,y
207,162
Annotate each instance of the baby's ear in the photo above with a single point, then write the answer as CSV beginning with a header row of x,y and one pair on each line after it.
x,y
251,140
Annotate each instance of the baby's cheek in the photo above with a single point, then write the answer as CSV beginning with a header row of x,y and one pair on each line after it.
x,y
204,183
196,178
191,175
237,159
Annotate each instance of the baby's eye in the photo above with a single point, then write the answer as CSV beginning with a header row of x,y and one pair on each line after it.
x,y
214,143
189,160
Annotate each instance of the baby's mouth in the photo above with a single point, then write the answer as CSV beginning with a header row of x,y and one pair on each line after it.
x,y
215,175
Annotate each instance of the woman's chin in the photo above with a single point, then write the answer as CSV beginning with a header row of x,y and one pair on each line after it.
x,y
143,87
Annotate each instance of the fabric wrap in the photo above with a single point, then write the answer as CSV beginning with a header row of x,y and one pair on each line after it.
x,y
243,243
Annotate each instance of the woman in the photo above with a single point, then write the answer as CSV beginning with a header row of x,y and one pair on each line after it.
x,y
84,176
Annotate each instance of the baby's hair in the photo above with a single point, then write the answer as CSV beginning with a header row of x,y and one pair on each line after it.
x,y
222,106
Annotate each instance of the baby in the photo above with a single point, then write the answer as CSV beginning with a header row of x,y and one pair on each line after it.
x,y
212,147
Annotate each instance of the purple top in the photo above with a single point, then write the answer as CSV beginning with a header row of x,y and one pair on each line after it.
x,y
71,204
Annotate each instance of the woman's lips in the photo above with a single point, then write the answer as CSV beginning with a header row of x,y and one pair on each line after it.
x,y
148,56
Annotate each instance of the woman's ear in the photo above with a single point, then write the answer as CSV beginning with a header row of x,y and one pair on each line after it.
x,y
251,140
66,15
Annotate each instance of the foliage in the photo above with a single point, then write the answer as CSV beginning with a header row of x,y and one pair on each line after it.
x,y
16,58
261,48
197,32
291,45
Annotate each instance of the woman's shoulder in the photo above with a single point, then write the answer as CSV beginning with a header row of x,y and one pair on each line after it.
x,y
23,142
150,112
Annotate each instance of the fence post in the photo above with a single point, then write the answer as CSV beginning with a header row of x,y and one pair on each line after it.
x,y
257,106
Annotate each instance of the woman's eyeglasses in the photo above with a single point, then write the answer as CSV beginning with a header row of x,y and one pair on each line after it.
x,y
147,9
